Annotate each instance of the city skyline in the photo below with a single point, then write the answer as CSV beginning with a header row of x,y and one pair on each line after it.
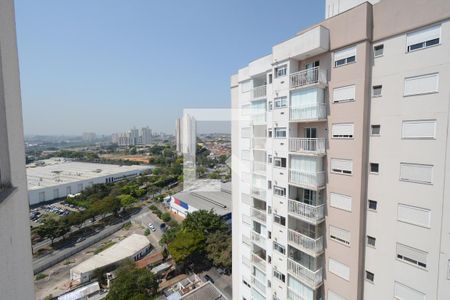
x,y
113,70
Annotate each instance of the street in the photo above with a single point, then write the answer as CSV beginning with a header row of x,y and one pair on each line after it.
x,y
222,282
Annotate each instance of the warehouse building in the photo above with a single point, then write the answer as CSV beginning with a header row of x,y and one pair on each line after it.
x,y
56,178
189,201
133,247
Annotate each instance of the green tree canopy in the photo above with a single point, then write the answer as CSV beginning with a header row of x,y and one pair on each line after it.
x,y
186,244
204,221
218,248
133,283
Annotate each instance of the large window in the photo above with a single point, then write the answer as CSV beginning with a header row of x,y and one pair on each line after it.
x,y
279,191
280,132
340,235
343,130
279,219
344,93
279,162
417,173
419,129
280,102
423,38
341,201
414,215
412,255
278,247
342,166
280,71
403,292
339,269
279,276
423,84
345,56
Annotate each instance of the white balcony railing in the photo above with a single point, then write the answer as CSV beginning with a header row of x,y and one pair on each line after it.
x,y
258,284
259,118
307,77
309,112
259,239
303,242
259,143
306,145
259,193
259,167
259,262
259,215
309,213
246,240
259,91
312,278
308,179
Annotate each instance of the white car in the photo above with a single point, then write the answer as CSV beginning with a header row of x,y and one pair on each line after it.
x,y
151,226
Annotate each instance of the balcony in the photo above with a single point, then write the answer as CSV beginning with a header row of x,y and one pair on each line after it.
x,y
259,215
311,278
308,113
259,167
259,262
259,193
306,78
306,244
259,143
308,213
259,118
259,285
307,145
259,92
259,240
311,180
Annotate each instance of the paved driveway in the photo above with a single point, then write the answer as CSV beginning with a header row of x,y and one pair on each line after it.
x,y
149,217
222,282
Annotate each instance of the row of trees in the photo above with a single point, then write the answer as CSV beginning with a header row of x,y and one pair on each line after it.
x,y
202,239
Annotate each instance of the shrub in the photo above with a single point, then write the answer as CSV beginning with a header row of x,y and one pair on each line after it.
x,y
147,232
166,217
40,276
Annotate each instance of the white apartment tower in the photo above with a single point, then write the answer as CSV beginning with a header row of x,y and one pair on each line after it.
x,y
16,276
340,186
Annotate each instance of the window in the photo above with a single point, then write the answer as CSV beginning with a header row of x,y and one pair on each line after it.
x,y
342,166
344,56
269,158
246,86
270,106
371,241
279,162
375,130
423,38
281,71
374,168
339,269
279,275
343,130
414,215
279,248
423,84
341,201
416,173
279,219
280,102
370,276
280,133
269,184
270,78
403,292
340,235
279,191
373,204
376,90
419,129
269,132
378,50
344,94
412,255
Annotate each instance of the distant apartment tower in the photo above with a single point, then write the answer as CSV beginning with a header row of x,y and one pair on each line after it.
x,y
340,186
186,134
16,277
146,136
89,136
133,137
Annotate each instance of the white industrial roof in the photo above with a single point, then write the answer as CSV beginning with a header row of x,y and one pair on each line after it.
x,y
57,171
81,293
120,251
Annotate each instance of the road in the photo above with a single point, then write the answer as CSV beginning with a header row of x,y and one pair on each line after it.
x,y
146,218
222,282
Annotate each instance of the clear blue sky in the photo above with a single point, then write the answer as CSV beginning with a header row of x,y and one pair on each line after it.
x,y
107,65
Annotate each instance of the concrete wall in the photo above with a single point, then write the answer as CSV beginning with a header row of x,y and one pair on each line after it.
x,y
16,277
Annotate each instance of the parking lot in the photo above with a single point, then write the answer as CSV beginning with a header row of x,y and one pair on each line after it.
x,y
60,208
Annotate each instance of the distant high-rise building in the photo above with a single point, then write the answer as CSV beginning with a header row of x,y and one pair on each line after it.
x,y
89,136
178,135
16,276
146,136
186,134
340,186
133,137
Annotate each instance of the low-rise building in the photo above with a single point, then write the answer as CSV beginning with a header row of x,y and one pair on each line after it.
x,y
133,247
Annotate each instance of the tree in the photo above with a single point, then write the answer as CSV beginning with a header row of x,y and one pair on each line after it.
x,y
204,221
165,217
218,248
133,283
52,228
126,200
186,245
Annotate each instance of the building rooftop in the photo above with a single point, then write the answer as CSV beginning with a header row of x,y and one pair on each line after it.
x,y
205,292
219,200
57,171
150,260
122,250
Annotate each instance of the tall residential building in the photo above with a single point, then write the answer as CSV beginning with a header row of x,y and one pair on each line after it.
x,y
146,136
340,186
178,135
186,134
16,277
133,137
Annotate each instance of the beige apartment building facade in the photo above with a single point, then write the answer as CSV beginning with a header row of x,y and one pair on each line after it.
x,y
16,276
342,135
